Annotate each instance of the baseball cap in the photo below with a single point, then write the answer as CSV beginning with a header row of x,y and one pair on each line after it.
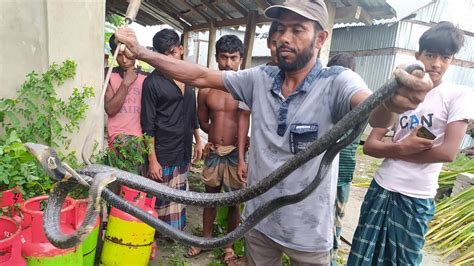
x,y
311,9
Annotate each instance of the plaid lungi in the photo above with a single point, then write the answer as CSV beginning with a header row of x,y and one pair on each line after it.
x,y
173,213
391,229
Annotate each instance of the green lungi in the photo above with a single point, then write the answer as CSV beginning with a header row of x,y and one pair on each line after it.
x,y
391,229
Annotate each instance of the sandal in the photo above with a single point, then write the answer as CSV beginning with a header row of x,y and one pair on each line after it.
x,y
153,251
194,252
229,257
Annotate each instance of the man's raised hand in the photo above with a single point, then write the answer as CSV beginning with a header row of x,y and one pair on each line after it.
x,y
130,76
128,38
414,88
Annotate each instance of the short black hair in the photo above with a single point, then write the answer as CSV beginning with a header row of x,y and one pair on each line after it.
x,y
343,59
229,44
273,28
443,38
112,43
165,40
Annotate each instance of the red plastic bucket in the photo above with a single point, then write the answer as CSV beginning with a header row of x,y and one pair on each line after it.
x,y
36,248
10,242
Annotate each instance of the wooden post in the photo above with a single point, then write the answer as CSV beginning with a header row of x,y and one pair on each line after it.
x,y
211,44
249,38
184,41
324,51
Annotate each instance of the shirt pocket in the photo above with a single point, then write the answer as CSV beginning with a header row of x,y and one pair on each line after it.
x,y
301,136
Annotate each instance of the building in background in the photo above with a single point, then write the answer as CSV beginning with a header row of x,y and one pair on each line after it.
x,y
389,43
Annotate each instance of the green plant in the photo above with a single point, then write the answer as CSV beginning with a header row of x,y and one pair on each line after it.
x,y
38,114
360,150
127,154
462,164
176,258
452,228
112,22
220,229
285,260
19,169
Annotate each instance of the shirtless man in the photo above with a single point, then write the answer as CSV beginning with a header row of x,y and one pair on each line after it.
x,y
218,115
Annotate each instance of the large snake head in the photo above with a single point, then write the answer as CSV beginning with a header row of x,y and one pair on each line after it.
x,y
49,160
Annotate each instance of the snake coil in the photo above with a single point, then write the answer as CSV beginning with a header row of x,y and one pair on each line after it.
x,y
331,142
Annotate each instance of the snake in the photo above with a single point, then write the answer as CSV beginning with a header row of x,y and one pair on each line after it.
x,y
51,217
339,136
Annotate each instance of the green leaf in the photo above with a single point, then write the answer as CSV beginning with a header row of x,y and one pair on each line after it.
x,y
115,20
36,115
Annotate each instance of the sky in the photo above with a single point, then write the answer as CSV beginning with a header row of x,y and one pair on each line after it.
x,y
145,34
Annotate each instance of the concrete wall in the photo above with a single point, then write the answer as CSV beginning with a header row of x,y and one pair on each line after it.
x,y
24,45
36,33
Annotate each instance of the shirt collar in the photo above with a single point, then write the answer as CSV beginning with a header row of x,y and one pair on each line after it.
x,y
305,84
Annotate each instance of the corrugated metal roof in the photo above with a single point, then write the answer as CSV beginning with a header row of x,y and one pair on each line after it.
x,y
181,14
403,34
375,70
195,14
360,24
460,75
377,9
409,33
459,12
363,38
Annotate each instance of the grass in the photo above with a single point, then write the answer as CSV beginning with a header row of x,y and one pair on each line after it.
x,y
360,150
361,181
176,258
365,168
194,178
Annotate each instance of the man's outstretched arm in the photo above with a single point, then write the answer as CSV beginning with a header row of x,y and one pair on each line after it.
x,y
189,73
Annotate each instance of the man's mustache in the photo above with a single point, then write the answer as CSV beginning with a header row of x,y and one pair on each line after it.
x,y
286,47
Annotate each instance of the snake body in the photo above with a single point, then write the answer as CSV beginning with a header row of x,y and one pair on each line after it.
x,y
331,142
52,214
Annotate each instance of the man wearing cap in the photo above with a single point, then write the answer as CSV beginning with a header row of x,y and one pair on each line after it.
x,y
292,104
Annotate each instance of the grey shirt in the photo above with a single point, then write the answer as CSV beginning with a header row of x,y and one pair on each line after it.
x,y
281,128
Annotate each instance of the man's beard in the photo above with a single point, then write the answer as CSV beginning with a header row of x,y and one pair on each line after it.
x,y
300,61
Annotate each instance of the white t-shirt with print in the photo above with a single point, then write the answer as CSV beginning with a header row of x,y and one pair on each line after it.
x,y
444,104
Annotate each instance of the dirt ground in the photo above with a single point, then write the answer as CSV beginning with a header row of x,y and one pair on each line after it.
x,y
172,253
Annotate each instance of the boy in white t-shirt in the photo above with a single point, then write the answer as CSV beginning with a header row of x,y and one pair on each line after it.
x,y
399,204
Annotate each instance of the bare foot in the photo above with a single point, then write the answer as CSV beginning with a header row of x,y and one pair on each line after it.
x,y
229,257
193,252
